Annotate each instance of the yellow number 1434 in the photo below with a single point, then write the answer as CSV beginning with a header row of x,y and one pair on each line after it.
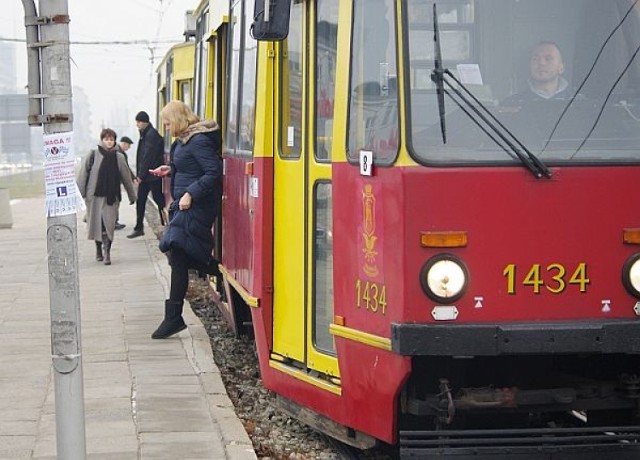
x,y
555,278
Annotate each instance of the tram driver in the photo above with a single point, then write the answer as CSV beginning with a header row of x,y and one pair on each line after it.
x,y
545,82
534,113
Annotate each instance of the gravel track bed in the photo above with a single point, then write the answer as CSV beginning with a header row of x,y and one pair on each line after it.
x,y
274,434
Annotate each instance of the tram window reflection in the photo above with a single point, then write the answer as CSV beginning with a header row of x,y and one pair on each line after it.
x,y
291,67
327,43
373,110
323,268
234,80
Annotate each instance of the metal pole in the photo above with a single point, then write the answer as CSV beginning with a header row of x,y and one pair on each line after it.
x,y
33,62
62,232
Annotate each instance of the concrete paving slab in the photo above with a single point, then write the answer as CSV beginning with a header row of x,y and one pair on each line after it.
x,y
143,398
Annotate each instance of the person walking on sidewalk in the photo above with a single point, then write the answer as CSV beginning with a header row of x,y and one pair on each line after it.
x,y
150,155
99,179
196,187
123,147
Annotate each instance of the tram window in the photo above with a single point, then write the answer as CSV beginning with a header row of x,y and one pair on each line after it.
x,y
202,62
242,83
185,92
291,66
201,75
169,77
373,101
591,115
249,70
323,268
233,82
326,46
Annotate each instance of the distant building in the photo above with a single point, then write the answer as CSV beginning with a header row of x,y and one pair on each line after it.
x,y
15,134
83,138
21,144
122,122
8,77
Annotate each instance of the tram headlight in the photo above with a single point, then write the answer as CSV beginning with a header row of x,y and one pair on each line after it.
x,y
631,275
444,278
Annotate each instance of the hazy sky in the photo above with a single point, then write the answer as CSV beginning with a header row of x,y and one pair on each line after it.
x,y
116,78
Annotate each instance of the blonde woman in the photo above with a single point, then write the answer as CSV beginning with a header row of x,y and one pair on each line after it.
x,y
196,178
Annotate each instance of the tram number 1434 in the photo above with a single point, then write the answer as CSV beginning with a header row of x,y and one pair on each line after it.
x,y
555,278
371,296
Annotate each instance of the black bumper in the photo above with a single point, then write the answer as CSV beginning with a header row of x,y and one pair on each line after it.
x,y
514,339
606,443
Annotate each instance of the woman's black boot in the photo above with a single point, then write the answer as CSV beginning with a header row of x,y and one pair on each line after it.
x,y
172,322
99,257
106,245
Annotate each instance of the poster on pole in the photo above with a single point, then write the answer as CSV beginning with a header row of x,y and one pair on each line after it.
x,y
62,196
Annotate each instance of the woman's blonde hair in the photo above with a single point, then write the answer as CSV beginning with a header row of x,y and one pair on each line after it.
x,y
179,116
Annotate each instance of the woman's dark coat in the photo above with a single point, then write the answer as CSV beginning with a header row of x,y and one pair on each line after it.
x,y
196,167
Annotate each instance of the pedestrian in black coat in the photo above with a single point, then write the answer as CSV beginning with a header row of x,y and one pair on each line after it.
x,y
149,156
196,177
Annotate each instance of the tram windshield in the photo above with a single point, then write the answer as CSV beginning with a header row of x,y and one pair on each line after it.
x,y
562,76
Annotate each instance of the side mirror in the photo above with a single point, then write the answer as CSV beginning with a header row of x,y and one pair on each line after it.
x,y
271,20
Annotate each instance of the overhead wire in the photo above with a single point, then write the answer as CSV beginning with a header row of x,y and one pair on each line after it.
x,y
587,76
101,42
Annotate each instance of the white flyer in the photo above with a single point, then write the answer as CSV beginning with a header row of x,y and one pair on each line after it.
x,y
61,192
469,74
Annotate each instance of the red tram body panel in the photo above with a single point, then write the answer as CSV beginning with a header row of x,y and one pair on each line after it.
x,y
512,220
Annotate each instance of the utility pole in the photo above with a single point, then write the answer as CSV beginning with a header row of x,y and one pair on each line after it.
x,y
50,106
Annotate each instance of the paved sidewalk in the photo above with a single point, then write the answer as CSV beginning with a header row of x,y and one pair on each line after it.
x,y
144,398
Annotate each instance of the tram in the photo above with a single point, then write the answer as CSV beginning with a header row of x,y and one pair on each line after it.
x,y
430,221
175,81
175,75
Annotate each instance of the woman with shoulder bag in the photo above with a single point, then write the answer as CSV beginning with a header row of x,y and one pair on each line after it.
x,y
99,179
196,184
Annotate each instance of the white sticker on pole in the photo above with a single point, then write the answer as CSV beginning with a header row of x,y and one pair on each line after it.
x,y
366,163
61,192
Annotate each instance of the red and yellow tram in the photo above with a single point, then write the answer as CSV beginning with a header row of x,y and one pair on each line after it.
x,y
429,223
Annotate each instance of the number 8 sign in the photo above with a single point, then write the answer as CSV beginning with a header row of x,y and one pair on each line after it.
x,y
366,163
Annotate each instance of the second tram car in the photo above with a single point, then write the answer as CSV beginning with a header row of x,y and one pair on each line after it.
x,y
429,218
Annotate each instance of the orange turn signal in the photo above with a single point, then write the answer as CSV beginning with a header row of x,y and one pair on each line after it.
x,y
339,320
443,239
631,235
248,168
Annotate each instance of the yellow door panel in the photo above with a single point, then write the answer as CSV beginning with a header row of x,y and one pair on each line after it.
x,y
303,213
288,261
289,205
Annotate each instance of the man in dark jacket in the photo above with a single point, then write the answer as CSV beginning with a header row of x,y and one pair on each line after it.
x,y
124,145
150,155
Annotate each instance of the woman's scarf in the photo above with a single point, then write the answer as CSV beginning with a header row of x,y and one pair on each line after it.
x,y
108,184
205,126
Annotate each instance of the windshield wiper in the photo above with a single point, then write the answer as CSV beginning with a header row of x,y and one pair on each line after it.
x,y
437,75
492,127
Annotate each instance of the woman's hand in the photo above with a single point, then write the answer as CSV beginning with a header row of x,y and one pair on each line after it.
x,y
160,171
185,202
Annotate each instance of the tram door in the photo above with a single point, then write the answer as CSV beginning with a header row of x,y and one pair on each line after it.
x,y
303,231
